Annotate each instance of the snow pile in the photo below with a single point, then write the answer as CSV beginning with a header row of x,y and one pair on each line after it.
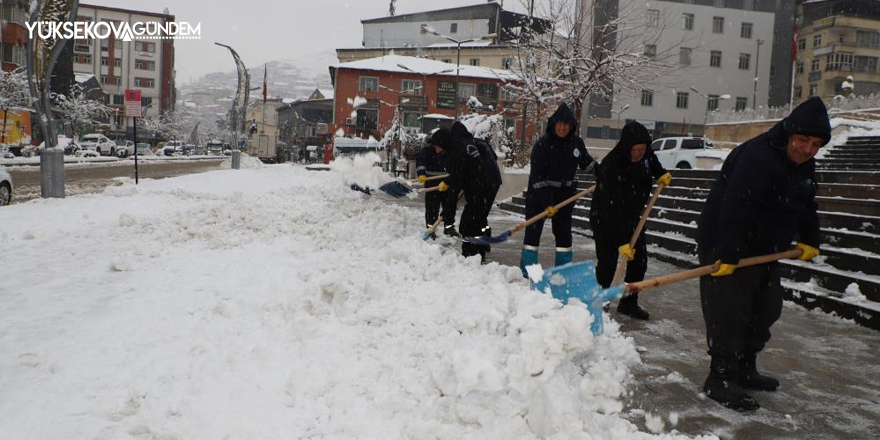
x,y
853,292
277,303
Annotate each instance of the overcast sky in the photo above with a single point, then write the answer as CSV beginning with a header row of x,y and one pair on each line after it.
x,y
265,30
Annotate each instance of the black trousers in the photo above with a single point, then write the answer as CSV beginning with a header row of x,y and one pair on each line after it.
x,y
538,201
474,218
740,308
434,200
607,254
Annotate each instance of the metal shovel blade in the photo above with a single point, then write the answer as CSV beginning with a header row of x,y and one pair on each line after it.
x,y
578,280
395,189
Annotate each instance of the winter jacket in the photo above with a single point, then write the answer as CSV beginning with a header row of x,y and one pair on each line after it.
x,y
471,162
555,160
762,199
430,163
623,186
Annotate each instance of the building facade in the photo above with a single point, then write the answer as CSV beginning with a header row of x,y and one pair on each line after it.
x,y
368,94
146,65
306,122
13,44
837,40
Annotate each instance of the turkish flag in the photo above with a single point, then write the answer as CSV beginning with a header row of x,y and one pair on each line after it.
x,y
794,44
265,87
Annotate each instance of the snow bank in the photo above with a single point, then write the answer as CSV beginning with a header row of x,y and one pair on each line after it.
x,y
276,303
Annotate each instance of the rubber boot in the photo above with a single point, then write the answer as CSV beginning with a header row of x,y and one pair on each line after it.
x,y
563,256
723,387
629,305
750,378
528,257
450,230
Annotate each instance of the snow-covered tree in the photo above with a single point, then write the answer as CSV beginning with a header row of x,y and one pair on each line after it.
x,y
590,49
14,92
78,111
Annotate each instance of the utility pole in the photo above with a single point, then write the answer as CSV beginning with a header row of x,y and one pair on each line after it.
x,y
757,63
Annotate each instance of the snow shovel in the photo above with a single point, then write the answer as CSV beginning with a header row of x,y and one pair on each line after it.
x,y
356,187
430,231
578,280
395,189
622,260
504,236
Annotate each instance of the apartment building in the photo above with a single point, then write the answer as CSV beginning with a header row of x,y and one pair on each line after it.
x,y
147,65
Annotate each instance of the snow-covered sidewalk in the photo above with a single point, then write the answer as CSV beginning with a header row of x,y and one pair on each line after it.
x,y
277,303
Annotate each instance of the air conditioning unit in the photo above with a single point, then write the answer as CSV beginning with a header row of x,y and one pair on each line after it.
x,y
349,121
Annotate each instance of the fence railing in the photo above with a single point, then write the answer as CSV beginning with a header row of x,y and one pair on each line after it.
x,y
838,105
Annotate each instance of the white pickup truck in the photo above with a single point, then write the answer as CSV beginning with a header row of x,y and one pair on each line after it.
x,y
680,152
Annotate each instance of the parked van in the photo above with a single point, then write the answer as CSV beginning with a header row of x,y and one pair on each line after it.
x,y
680,152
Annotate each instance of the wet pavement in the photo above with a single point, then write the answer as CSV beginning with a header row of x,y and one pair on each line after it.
x,y
829,368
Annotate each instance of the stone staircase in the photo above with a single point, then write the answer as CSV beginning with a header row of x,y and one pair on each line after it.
x,y
859,152
849,211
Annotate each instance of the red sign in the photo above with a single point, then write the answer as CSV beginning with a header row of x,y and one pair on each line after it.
x,y
133,103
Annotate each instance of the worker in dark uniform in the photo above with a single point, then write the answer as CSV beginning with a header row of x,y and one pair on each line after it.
x,y
555,159
431,162
764,199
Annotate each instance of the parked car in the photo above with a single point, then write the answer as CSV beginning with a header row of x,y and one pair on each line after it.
x,y
123,148
173,148
680,152
5,187
143,148
216,147
98,143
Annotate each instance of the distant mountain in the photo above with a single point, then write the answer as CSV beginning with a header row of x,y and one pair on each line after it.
x,y
288,78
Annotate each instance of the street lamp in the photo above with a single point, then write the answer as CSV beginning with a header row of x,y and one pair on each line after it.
x,y
757,61
619,112
458,43
708,102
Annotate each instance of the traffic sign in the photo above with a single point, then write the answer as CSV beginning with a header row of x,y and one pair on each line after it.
x,y
133,103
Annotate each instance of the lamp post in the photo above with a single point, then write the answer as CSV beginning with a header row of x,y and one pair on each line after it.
x,y
708,102
458,44
619,112
758,42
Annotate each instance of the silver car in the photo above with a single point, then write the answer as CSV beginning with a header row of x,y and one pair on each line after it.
x,y
5,187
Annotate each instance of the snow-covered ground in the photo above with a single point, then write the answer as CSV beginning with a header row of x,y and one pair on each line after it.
x,y
273,302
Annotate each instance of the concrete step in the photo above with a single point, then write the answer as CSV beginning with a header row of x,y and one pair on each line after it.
x,y
855,177
846,164
850,191
814,297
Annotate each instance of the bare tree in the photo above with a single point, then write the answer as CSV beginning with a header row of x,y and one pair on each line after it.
x,y
594,47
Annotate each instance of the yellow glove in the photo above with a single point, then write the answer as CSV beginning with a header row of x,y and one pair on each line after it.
x,y
665,179
443,186
551,211
423,178
724,270
627,251
809,252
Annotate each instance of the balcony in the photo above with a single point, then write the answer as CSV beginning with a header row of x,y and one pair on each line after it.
x,y
814,76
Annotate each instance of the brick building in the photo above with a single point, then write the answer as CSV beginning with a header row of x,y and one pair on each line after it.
x,y
367,93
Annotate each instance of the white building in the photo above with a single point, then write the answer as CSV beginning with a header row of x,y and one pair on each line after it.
x,y
720,51
147,65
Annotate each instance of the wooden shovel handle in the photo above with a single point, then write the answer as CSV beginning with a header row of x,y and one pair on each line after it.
x,y
431,189
621,261
556,206
439,176
706,270
435,225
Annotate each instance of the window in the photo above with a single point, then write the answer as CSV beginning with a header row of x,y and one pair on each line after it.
x,y
453,28
744,60
688,23
715,58
865,64
144,46
82,46
368,84
868,38
681,100
746,30
411,87
814,89
802,44
692,144
647,98
712,103
842,38
446,60
839,61
111,80
465,91
684,56
82,58
817,40
719,3
146,100
105,61
799,68
741,103
145,65
814,66
15,54
508,94
411,119
749,5
717,25
475,62
652,18
650,50
367,119
506,63
144,82
798,92
118,99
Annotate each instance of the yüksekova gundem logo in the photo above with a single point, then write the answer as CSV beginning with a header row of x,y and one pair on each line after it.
x,y
146,30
